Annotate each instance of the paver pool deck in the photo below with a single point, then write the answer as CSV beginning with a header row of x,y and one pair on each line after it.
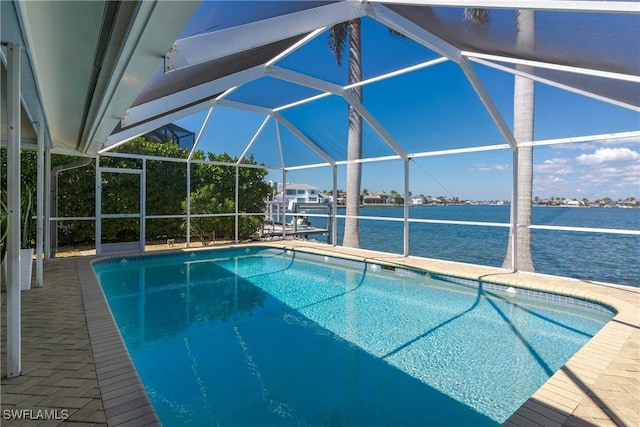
x,y
75,367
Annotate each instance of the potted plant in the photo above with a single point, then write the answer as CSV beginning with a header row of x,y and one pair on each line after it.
x,y
26,246
4,221
27,210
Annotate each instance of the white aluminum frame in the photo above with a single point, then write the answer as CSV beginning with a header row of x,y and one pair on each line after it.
x,y
40,206
406,220
14,300
555,5
195,50
143,197
488,103
556,67
158,107
552,83
391,19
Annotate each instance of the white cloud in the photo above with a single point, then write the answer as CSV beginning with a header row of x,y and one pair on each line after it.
x,y
558,166
607,155
632,180
482,167
551,180
592,175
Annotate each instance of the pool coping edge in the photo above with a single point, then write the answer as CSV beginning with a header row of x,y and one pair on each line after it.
x,y
124,397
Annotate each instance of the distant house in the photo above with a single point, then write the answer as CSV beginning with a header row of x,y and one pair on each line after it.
x,y
628,203
571,203
417,201
378,199
300,193
325,198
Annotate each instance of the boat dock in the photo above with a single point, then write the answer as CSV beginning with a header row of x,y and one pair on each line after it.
x,y
272,229
297,220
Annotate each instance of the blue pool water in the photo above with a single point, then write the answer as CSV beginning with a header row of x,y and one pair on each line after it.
x,y
268,337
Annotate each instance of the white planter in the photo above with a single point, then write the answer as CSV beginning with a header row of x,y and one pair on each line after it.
x,y
26,268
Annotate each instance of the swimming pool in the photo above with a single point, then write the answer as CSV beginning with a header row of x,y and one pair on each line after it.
x,y
263,336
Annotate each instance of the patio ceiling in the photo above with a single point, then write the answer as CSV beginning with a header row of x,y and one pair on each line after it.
x,y
84,62
100,73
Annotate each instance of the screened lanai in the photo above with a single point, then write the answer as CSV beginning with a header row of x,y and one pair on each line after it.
x,y
257,78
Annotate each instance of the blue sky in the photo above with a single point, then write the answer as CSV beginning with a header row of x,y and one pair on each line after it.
x,y
431,109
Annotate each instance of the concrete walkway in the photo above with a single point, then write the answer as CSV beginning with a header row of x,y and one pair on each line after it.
x,y
76,369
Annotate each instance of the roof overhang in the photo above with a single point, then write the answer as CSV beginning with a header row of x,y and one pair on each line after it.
x,y
85,62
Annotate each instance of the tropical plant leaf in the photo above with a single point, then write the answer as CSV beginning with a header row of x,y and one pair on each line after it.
x,y
338,36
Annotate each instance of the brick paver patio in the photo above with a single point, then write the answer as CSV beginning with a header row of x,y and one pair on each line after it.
x,y
75,365
58,368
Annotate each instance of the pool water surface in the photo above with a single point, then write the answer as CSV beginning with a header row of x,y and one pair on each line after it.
x,y
268,337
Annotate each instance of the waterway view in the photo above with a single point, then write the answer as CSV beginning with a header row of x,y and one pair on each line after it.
x,y
612,258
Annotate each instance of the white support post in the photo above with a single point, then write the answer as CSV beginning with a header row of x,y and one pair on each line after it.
x,y
236,203
14,326
47,203
284,203
189,203
40,200
334,210
98,207
514,214
406,207
283,219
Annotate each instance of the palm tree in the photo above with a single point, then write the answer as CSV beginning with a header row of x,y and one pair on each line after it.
x,y
339,36
523,118
476,16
